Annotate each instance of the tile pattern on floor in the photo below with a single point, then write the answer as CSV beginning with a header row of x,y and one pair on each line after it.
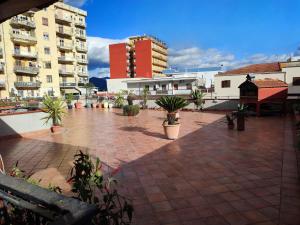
x,y
210,175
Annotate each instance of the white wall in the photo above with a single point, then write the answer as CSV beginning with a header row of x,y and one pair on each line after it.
x,y
235,81
292,72
116,85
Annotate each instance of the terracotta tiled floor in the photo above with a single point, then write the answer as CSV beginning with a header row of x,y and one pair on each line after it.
x,y
210,175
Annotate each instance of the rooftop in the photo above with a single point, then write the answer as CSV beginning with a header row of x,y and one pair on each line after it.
x,y
255,68
269,83
192,70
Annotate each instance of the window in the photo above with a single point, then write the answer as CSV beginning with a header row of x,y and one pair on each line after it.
x,y
225,83
47,65
47,51
31,79
19,78
296,81
164,87
175,86
50,92
46,36
49,79
45,21
147,87
189,86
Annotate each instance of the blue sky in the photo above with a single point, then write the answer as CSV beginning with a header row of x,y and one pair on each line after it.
x,y
198,32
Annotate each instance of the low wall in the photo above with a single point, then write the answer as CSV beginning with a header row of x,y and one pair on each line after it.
x,y
14,125
210,104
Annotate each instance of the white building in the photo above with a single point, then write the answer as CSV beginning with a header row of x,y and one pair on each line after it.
x,y
157,86
206,73
226,84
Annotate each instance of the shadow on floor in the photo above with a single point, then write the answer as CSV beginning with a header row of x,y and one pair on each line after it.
x,y
144,131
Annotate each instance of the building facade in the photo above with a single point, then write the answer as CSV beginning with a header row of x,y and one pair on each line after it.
x,y
227,83
43,52
142,57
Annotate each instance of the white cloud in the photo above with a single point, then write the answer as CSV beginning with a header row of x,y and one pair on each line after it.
x,y
76,3
98,50
99,72
196,57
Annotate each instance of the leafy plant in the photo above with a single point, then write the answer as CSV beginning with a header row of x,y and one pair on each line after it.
x,y
241,108
55,109
230,119
197,97
171,104
145,94
119,100
131,110
69,98
90,185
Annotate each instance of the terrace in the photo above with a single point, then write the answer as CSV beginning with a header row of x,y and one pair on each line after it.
x,y
209,175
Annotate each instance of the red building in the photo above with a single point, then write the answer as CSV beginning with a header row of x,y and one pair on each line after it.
x,y
119,57
143,58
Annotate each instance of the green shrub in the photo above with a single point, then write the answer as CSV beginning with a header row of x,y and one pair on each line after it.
x,y
131,110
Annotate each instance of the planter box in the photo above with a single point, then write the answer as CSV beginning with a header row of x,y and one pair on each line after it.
x,y
17,125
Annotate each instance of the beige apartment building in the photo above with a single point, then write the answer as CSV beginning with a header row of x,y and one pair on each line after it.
x,y
44,52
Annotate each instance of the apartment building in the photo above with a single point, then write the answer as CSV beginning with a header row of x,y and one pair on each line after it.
x,y
142,57
43,52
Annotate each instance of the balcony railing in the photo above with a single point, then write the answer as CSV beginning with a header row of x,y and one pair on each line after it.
x,y
64,72
26,70
2,84
62,18
81,48
23,54
65,59
64,31
82,61
80,24
65,46
82,73
19,22
67,85
22,84
80,35
23,38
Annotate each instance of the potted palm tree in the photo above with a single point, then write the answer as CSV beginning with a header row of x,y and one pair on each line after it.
x,y
55,109
172,104
240,116
69,99
197,97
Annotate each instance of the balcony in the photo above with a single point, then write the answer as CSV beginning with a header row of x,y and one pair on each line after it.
x,y
82,73
81,36
82,61
24,54
27,85
159,50
67,85
81,48
64,32
17,22
65,47
23,38
62,19
30,70
2,84
66,73
65,59
80,24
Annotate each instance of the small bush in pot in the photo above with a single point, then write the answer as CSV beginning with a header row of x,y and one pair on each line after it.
x,y
240,115
197,98
119,100
131,110
55,109
69,99
230,121
172,104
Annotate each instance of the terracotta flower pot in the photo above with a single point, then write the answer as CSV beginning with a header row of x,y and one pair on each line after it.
x,y
171,131
78,105
55,129
94,105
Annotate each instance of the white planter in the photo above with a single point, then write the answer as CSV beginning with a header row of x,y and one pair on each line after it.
x,y
171,131
105,105
110,105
